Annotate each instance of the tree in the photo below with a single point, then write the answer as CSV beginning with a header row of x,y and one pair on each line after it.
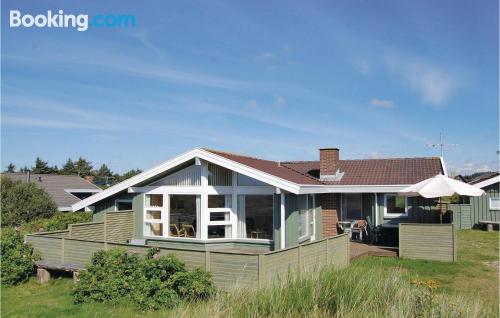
x,y
11,168
83,167
41,166
24,169
68,168
129,174
24,201
103,172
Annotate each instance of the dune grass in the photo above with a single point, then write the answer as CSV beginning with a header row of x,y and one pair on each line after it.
x,y
371,287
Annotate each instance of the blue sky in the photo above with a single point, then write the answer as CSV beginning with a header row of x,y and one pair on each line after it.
x,y
266,78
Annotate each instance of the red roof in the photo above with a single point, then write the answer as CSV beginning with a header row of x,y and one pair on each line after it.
x,y
397,171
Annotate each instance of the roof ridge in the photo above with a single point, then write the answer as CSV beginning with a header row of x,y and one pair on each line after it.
x,y
239,155
304,174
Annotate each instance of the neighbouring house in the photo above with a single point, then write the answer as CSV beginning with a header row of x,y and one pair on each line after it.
x,y
65,190
208,199
471,211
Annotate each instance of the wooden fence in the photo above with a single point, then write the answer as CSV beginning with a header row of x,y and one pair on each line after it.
x,y
229,269
428,241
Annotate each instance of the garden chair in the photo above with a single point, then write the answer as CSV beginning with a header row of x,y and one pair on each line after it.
x,y
359,227
188,229
174,230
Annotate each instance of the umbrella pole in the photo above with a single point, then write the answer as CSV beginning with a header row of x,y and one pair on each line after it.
x,y
440,211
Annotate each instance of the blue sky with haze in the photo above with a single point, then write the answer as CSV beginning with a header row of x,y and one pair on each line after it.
x,y
265,78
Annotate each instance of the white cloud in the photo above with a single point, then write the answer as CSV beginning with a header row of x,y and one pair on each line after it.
x,y
433,83
253,104
265,56
382,103
280,101
362,66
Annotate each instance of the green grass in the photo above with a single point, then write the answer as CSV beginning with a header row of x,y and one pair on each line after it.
x,y
372,287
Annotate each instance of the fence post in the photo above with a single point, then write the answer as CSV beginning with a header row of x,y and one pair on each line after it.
x,y
62,250
105,226
207,260
70,228
299,260
262,269
326,253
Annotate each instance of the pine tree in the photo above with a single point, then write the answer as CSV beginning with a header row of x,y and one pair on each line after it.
x,y
104,171
68,168
11,168
41,166
83,167
24,169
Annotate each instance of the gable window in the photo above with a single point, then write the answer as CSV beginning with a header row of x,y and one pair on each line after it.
x,y
306,218
494,203
396,206
123,205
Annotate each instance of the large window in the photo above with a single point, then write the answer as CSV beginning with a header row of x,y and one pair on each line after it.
x,y
395,206
182,216
219,221
258,214
306,217
352,206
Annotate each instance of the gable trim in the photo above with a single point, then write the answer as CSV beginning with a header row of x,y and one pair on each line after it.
x,y
487,182
194,153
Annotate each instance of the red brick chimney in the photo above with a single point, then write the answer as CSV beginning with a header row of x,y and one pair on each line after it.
x,y
328,162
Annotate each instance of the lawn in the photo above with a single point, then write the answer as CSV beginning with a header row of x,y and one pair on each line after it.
x,y
473,278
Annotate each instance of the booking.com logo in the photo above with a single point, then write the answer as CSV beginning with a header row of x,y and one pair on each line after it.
x,y
80,22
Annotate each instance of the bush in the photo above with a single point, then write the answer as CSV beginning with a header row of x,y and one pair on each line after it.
x,y
151,282
59,221
17,258
24,202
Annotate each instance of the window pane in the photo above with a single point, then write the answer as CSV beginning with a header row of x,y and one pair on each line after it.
x,y
219,231
123,205
154,200
154,229
352,206
153,215
259,216
219,216
395,204
183,215
303,223
216,201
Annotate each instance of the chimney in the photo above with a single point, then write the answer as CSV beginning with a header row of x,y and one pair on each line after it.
x,y
328,162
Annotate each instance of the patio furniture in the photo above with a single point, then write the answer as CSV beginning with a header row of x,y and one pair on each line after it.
x,y
358,227
187,230
174,230
255,234
345,226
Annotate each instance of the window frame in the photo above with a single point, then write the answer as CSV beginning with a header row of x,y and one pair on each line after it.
x,y
310,214
490,200
394,215
225,209
123,200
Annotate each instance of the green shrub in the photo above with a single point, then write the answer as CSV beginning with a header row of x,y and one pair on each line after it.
x,y
23,202
17,258
57,222
151,282
193,285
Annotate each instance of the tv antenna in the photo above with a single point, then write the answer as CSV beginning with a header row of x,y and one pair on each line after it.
x,y
440,145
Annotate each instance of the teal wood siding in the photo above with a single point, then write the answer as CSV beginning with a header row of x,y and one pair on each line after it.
x,y
292,202
428,241
420,210
108,204
138,207
467,216
480,209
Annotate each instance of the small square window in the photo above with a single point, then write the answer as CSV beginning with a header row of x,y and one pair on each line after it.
x,y
154,200
153,215
219,216
494,203
154,229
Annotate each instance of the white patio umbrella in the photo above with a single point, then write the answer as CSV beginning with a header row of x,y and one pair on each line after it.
x,y
441,186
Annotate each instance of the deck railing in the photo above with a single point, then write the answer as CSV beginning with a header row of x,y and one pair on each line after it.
x,y
229,269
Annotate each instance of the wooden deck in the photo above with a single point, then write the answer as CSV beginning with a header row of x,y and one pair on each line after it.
x,y
361,250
